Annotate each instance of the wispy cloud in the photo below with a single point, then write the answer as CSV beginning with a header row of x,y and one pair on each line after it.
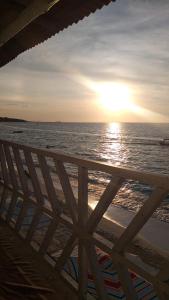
x,y
127,41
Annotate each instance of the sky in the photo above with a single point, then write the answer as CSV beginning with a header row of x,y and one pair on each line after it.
x,y
111,67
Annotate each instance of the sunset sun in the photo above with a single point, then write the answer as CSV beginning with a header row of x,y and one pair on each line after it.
x,y
115,97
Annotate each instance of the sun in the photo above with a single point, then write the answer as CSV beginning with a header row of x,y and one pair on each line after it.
x,y
115,97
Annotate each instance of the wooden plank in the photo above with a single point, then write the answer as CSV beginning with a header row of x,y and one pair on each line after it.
x,y
82,197
95,269
48,237
67,190
104,202
140,219
82,270
66,252
11,206
52,197
4,165
22,177
22,214
3,198
82,220
12,172
62,218
34,223
34,177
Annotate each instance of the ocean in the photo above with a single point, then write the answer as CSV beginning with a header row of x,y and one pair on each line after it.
x,y
133,145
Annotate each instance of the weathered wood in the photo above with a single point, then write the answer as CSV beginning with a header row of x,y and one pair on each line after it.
x,y
34,223
82,197
48,237
12,172
11,206
52,197
22,177
82,220
33,176
66,252
4,194
22,214
67,190
4,165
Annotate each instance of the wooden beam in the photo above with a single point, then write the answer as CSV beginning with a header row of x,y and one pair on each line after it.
x,y
82,220
29,14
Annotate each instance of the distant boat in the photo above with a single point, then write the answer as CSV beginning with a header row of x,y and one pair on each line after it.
x,y
164,142
17,131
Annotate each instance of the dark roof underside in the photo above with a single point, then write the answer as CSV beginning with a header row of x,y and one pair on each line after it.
x,y
59,17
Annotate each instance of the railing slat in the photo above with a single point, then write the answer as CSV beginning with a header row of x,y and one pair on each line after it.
x,y
141,218
66,252
104,202
82,220
33,176
3,198
67,190
126,281
3,165
11,206
12,172
95,269
48,237
21,216
52,197
22,177
34,223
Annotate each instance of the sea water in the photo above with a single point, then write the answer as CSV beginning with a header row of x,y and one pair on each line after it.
x,y
133,145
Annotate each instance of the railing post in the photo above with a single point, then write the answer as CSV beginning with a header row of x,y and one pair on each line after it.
x,y
82,221
4,168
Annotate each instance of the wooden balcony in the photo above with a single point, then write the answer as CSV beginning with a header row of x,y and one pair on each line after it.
x,y
47,212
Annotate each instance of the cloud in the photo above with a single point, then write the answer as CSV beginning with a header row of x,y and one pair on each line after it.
x,y
127,41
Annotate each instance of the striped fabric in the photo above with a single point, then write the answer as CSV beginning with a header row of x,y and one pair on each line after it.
x,y
111,280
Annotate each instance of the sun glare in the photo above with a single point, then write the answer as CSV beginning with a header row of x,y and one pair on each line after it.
x,y
115,97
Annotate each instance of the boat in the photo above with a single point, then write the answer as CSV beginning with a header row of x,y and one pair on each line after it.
x,y
17,131
164,142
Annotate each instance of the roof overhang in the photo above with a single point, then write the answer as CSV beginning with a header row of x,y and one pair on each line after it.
x,y
25,23
25,17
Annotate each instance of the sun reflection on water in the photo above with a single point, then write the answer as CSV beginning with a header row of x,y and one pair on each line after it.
x,y
112,151
114,129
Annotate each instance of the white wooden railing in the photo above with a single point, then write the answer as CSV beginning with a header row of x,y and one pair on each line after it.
x,y
30,176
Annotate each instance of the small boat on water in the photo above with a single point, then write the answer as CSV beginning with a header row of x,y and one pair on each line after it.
x,y
164,142
17,131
